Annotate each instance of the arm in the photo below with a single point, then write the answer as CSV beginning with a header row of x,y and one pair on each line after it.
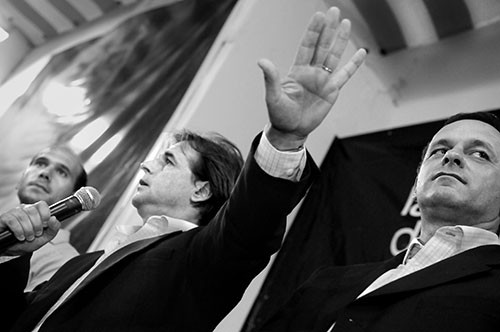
x,y
296,106
13,278
252,222
26,223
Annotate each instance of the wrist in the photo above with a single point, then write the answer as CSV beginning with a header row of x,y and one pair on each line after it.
x,y
284,141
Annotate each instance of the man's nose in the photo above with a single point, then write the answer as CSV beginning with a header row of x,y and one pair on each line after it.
x,y
453,157
45,174
148,166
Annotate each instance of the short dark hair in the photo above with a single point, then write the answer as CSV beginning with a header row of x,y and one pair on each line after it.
x,y
219,163
81,179
483,116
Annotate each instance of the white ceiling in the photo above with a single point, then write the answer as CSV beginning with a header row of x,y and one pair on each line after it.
x,y
41,21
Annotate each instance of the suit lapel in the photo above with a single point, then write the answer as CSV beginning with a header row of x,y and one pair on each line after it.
x,y
367,277
53,290
350,282
117,257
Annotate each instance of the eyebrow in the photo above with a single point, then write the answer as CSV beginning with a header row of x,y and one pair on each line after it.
x,y
65,168
474,142
170,155
488,146
442,141
60,165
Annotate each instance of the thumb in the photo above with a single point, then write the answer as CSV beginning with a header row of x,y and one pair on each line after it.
x,y
271,80
53,226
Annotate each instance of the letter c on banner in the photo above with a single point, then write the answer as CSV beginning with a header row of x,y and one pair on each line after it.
x,y
411,232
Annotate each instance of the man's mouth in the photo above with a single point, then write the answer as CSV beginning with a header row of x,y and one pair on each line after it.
x,y
40,185
453,175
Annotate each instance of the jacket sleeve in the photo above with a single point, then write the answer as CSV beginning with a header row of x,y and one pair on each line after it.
x,y
250,226
13,279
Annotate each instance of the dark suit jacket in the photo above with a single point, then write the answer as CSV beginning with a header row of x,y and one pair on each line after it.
x,y
461,293
184,281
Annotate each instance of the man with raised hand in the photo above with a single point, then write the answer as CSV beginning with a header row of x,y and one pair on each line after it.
x,y
207,230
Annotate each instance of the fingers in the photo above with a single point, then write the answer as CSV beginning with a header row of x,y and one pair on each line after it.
x,y
316,46
334,55
307,47
340,77
326,37
346,72
34,228
53,226
26,221
271,79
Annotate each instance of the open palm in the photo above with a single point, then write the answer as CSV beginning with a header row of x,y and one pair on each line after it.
x,y
298,103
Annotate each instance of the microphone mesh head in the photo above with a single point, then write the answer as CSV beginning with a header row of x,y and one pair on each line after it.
x,y
89,197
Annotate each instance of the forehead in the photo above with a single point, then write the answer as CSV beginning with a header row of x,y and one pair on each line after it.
x,y
61,156
182,151
466,130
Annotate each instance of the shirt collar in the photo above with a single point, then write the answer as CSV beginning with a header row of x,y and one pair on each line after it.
x,y
154,226
159,225
475,237
461,237
414,247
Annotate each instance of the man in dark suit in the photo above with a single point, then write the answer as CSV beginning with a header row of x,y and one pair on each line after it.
x,y
53,174
448,279
171,275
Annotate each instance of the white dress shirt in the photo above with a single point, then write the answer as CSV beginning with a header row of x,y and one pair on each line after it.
x,y
46,260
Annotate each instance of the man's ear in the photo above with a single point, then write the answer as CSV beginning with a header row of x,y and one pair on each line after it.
x,y
202,192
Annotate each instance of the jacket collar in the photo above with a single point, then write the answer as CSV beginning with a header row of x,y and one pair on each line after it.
x,y
467,263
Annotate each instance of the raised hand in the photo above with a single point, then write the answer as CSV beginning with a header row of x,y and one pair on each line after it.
x,y
300,102
31,224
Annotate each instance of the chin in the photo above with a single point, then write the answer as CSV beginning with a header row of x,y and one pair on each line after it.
x,y
138,200
135,200
441,198
31,199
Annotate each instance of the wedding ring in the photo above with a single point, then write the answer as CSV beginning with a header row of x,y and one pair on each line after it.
x,y
328,69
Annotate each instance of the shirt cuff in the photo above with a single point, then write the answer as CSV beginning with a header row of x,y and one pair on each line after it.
x,y
287,165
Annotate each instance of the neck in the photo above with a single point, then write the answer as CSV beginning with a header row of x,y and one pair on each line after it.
x,y
431,225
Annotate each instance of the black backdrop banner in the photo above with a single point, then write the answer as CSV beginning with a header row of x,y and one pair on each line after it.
x,y
361,209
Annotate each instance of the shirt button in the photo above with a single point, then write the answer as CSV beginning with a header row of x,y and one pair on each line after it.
x,y
289,172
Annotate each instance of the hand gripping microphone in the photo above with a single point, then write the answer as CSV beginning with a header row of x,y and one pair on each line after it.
x,y
84,199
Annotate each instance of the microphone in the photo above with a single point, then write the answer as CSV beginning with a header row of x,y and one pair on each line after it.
x,y
84,199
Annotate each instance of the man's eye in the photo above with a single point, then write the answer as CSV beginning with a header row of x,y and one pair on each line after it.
x,y
63,173
167,162
481,154
438,151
